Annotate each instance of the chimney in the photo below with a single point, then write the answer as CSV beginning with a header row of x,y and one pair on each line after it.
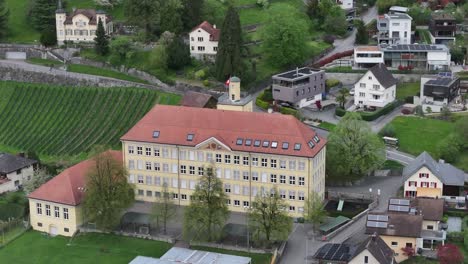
x,y
441,161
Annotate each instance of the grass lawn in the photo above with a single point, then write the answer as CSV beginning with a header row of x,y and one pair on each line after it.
x,y
20,30
44,62
419,260
420,134
33,247
404,90
327,126
462,161
256,257
102,72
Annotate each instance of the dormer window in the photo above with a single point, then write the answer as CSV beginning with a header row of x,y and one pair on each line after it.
x,y
190,137
156,134
285,145
266,143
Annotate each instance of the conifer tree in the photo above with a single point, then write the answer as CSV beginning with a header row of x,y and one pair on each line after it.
x,y
192,14
101,41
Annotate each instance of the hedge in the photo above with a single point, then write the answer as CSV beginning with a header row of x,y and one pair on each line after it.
x,y
340,111
288,111
262,104
456,213
371,116
332,83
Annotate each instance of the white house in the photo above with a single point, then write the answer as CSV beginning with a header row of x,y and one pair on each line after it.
x,y
80,25
204,41
15,171
345,4
394,29
367,56
376,88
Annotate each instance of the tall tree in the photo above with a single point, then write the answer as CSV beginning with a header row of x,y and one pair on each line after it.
x,y
228,57
164,208
207,213
101,42
171,16
178,54
353,150
268,217
4,14
362,37
192,13
314,209
145,14
43,15
107,191
312,8
341,97
284,36
40,177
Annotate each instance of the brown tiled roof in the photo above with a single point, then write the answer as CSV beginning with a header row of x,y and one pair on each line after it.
x,y
174,123
367,48
430,208
89,13
402,225
194,99
206,26
65,187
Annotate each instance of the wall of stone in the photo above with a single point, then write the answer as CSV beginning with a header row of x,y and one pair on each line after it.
x,y
352,78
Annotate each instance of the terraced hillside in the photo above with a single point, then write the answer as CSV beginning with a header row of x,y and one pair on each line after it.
x,y
59,121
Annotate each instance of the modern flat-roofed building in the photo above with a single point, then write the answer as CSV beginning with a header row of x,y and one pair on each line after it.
x,y
394,29
443,27
300,87
439,91
367,56
252,152
419,56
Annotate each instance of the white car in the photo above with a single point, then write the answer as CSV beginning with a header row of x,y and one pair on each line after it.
x,y
351,92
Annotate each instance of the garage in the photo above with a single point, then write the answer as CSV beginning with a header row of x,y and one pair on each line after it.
x,y
15,55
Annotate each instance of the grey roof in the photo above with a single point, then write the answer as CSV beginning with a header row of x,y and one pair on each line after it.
x,y
378,248
9,163
413,47
446,173
400,16
383,75
297,74
178,255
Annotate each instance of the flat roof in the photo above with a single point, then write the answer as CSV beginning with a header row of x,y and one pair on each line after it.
x,y
225,100
399,9
414,47
297,74
441,81
399,16
178,255
367,48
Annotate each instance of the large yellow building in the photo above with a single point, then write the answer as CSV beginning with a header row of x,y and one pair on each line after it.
x,y
252,152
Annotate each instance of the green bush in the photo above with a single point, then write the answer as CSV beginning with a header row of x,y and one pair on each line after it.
x,y
262,104
331,83
455,236
340,111
200,74
371,116
288,111
266,95
387,131
457,213
206,83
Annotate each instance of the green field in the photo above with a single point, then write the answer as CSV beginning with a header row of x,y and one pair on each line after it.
x,y
103,72
61,122
404,90
328,126
33,247
256,257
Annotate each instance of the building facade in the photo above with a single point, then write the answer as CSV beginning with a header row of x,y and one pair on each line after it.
x,y
15,171
367,56
439,91
233,100
417,56
80,25
300,87
204,42
345,4
443,28
394,29
252,153
376,88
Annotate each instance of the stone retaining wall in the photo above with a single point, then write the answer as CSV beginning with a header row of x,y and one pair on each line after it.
x,y
352,78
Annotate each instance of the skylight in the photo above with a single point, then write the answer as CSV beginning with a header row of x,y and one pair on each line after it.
x,y
274,144
311,144
156,134
285,145
190,137
257,143
266,143
239,141
297,146
248,142
316,139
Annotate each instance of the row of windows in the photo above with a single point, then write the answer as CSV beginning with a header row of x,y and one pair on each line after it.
x,y
423,184
66,229
255,177
48,211
202,48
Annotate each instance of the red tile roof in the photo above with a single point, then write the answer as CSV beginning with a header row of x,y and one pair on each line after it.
x,y
195,99
65,187
175,122
206,26
91,14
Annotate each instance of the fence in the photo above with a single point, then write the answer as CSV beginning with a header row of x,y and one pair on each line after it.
x,y
10,230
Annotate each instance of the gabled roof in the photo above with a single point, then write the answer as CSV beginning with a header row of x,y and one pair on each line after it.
x,y
67,187
194,99
213,31
89,13
10,163
378,248
383,75
237,130
401,225
446,173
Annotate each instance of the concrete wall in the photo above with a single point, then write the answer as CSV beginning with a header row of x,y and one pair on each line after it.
x,y
352,78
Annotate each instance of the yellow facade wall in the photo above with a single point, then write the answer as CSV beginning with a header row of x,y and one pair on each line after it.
x,y
52,224
242,108
400,243
434,224
426,191
300,175
359,259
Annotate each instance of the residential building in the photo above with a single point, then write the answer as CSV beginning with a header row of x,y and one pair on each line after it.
x,y
177,255
367,56
234,100
419,56
345,4
15,171
425,177
252,152
80,25
55,207
443,27
371,251
204,41
300,87
195,99
376,88
394,29
439,91
432,211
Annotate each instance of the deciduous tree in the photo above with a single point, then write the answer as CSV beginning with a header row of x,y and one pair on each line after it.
x,y
178,54
171,16
449,254
107,191
341,97
101,42
164,208
145,14
268,217
353,150
192,13
228,57
4,15
449,148
207,213
314,209
39,177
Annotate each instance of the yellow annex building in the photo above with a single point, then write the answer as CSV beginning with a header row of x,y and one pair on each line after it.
x,y
252,152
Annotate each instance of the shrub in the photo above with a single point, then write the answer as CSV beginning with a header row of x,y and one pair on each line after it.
x,y
340,111
266,95
388,131
200,74
366,116
455,236
406,111
263,3
206,83
331,83
419,111
262,104
288,111
409,99
329,39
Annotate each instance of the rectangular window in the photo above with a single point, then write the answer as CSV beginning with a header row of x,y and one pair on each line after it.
x,y
157,166
236,202
254,176
301,180
292,208
56,212
300,196
236,159
292,180
200,156
140,178
376,86
39,224
156,152
394,244
66,230
273,178
282,164
140,150
254,161
131,164
183,196
246,204
236,175
218,158
182,155
282,178
273,163
362,85
47,210
39,208
245,161
245,175
149,193
148,151
131,149
301,165
165,167
227,159
292,195
264,162
227,188
192,170
148,165
228,202
366,259
149,180
245,190
201,171
165,153
209,157
175,196
292,164
282,194
183,169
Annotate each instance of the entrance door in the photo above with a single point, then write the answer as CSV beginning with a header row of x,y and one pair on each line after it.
x,y
53,230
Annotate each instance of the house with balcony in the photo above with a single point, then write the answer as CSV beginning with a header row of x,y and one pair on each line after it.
x,y
394,29
204,42
442,27
300,87
375,89
425,177
439,91
367,56
433,57
15,170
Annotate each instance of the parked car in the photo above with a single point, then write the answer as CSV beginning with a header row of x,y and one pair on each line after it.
x,y
351,92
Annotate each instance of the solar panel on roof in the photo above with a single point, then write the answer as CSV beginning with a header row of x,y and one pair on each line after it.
x,y
398,208
383,218
371,224
372,217
399,201
332,251
382,224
